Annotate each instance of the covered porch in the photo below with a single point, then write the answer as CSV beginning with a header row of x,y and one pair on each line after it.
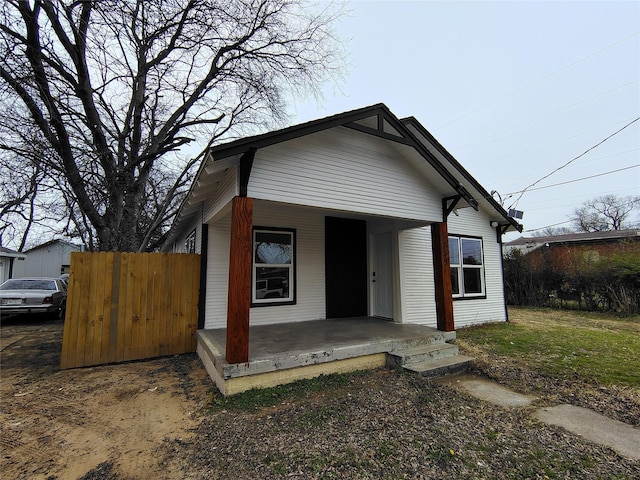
x,y
283,353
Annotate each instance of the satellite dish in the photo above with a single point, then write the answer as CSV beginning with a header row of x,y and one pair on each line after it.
x,y
517,214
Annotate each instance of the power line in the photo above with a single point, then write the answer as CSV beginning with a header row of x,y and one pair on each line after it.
x,y
538,147
544,77
548,226
571,161
576,180
546,115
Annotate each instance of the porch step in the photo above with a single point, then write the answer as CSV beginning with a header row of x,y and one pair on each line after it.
x,y
440,366
421,354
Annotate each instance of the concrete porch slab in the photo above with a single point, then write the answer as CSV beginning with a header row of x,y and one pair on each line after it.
x,y
278,352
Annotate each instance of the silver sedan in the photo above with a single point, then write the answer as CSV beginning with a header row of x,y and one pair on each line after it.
x,y
40,295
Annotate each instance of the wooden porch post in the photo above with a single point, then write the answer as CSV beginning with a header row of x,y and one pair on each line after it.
x,y
442,276
239,297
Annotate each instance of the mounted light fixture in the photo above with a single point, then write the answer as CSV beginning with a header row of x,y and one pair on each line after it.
x,y
493,223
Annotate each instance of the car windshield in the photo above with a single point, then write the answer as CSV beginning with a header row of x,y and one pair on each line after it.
x,y
28,284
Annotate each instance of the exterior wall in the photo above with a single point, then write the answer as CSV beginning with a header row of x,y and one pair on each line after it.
x,y
217,273
417,272
310,274
49,260
179,245
344,170
310,283
5,266
417,268
492,308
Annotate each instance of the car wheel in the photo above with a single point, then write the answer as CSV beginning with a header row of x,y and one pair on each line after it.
x,y
59,313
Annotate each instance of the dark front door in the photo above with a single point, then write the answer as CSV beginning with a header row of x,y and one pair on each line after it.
x,y
346,267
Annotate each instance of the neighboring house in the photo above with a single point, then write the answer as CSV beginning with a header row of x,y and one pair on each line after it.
x,y
9,258
557,251
360,214
51,259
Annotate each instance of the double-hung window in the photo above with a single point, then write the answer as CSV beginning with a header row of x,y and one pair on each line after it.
x,y
467,267
273,266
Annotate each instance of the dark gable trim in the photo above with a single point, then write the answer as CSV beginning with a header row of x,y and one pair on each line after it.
x,y
291,133
379,132
241,147
246,164
467,176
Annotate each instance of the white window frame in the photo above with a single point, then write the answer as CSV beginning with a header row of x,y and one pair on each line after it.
x,y
190,242
291,298
461,266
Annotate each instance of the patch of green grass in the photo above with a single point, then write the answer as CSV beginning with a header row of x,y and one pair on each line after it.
x,y
440,453
256,398
564,344
320,415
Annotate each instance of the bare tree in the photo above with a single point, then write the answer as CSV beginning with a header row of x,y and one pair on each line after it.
x,y
28,197
608,212
117,88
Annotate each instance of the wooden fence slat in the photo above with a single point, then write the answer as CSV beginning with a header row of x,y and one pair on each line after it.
x,y
148,318
175,304
83,295
107,305
125,306
192,326
137,339
93,333
186,313
67,357
156,298
129,308
114,323
178,329
122,308
165,304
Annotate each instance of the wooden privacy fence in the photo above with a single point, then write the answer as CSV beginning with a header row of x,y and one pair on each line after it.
x,y
128,306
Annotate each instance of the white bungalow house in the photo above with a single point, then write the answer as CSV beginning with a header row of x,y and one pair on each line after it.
x,y
50,259
8,258
359,216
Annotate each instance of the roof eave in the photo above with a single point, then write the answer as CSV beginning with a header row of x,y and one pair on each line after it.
x,y
511,224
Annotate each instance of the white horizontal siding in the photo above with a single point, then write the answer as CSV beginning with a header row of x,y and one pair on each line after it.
x,y
310,281
417,267
310,287
491,308
217,274
345,170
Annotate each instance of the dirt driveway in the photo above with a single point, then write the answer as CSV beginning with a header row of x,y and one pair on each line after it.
x,y
147,420
63,424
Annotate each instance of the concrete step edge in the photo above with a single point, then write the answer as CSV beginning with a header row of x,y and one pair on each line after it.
x,y
421,354
424,349
441,366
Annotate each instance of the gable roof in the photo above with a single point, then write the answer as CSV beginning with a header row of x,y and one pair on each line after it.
x,y
7,252
529,244
52,242
376,120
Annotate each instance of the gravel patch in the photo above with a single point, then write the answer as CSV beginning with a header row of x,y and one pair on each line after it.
x,y
389,425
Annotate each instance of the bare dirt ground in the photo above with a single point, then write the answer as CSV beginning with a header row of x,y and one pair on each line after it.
x,y
63,424
153,420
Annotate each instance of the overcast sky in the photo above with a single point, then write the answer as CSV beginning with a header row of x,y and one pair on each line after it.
x,y
514,90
